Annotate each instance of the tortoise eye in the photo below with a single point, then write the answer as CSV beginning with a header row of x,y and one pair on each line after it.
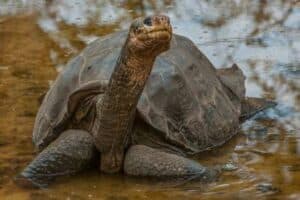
x,y
148,21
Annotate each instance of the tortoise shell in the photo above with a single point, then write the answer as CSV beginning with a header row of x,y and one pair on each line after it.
x,y
184,98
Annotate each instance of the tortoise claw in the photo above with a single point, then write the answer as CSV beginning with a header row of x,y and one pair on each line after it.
x,y
25,182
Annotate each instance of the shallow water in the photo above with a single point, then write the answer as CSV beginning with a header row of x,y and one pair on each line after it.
x,y
263,37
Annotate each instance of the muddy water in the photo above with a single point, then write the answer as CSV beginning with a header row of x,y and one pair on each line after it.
x,y
263,37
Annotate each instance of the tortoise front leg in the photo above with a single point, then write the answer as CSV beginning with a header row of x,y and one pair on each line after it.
x,y
70,153
142,160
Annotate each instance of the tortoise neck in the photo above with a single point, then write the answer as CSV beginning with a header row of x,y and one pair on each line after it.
x,y
116,110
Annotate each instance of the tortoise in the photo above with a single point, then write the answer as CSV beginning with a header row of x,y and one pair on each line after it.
x,y
138,101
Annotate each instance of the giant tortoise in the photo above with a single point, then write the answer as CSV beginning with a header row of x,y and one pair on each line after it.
x,y
139,102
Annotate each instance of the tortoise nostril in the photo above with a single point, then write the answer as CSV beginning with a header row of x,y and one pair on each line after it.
x,y
161,19
148,21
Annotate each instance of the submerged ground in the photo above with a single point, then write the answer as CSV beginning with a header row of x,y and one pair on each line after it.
x,y
263,37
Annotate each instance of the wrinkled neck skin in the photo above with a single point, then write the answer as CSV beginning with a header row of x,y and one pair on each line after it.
x,y
116,109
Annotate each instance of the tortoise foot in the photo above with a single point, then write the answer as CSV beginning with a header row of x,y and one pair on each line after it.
x,y
145,161
71,152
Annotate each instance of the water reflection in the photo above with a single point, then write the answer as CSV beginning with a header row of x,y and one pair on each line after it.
x,y
263,37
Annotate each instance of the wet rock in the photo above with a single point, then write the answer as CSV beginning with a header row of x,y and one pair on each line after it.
x,y
266,187
229,167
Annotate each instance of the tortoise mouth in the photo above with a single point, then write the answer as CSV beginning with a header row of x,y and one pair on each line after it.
x,y
155,33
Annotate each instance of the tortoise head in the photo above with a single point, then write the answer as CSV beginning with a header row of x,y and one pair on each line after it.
x,y
150,36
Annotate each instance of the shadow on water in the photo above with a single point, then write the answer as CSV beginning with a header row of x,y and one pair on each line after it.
x,y
263,37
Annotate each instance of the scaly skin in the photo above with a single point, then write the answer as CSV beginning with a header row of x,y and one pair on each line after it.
x,y
141,160
71,152
116,111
